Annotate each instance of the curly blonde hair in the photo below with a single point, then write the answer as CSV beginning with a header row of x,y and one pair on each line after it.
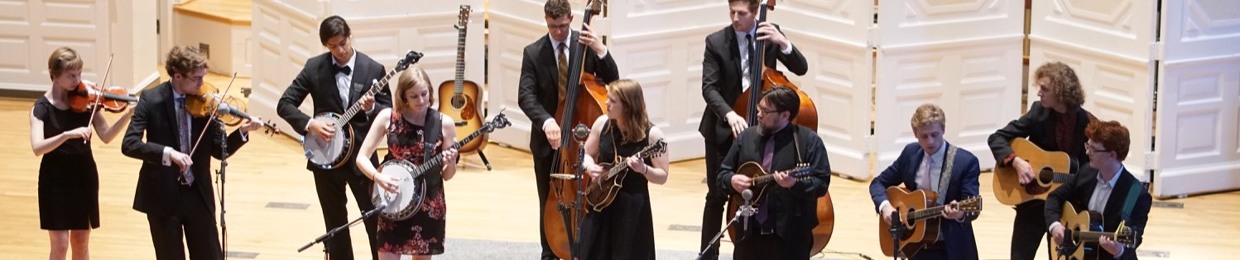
x,y
183,60
928,114
1064,83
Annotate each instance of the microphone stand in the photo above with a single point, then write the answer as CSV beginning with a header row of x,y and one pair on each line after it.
x,y
580,132
332,233
897,231
744,211
221,172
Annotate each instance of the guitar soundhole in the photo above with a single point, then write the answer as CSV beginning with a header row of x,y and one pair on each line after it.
x,y
458,101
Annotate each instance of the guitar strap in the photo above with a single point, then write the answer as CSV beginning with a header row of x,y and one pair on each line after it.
x,y
431,133
1134,190
946,172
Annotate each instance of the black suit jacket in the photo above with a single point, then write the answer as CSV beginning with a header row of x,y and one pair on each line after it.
x,y
539,96
318,79
1080,189
721,79
155,118
957,235
794,210
1038,125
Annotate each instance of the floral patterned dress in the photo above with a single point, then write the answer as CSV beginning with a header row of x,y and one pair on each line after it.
x,y
422,233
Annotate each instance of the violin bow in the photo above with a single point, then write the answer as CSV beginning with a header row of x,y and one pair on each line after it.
x,y
95,107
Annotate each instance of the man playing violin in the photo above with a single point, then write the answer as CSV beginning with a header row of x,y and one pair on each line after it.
x,y
544,73
174,185
68,176
924,165
337,80
785,214
1104,186
725,66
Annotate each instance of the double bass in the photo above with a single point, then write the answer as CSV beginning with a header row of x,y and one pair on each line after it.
x,y
747,105
584,101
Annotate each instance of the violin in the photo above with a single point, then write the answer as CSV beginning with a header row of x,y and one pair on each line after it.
x,y
231,111
111,98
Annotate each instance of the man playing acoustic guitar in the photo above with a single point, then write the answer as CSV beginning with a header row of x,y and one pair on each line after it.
x,y
1106,187
933,165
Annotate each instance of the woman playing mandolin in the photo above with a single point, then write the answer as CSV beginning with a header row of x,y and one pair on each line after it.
x,y
409,126
625,229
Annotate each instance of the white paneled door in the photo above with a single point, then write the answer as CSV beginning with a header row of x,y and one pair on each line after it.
x,y
963,56
33,29
1108,45
1197,147
834,37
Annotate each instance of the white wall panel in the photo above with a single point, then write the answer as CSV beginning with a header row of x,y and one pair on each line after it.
x,y
31,30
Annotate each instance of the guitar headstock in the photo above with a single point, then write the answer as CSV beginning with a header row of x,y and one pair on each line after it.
x,y
410,58
462,18
1126,236
970,205
498,122
658,148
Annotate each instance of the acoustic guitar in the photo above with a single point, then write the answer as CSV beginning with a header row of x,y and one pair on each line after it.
x,y
1050,170
458,98
1082,231
917,219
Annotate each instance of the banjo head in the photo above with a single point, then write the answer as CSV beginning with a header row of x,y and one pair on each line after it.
x,y
328,154
408,196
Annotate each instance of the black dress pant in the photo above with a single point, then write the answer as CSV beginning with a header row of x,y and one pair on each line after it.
x,y
193,219
1028,229
542,175
330,187
716,198
771,246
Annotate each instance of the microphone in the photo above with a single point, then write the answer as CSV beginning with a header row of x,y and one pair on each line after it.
x,y
747,209
224,108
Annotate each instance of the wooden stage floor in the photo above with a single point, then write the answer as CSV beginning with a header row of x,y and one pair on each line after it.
x,y
273,210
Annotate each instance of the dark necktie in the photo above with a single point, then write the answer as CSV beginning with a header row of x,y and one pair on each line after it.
x,y
344,69
563,69
183,137
768,155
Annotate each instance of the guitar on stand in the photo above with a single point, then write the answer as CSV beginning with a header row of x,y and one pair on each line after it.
x,y
458,98
915,220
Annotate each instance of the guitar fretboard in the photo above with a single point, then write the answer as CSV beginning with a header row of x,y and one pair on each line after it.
x,y
382,84
460,59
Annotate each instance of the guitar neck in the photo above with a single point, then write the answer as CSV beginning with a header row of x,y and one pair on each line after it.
x,y
382,84
460,60
1091,236
928,213
438,159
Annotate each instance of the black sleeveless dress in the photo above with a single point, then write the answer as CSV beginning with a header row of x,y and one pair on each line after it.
x,y
68,176
625,229
422,233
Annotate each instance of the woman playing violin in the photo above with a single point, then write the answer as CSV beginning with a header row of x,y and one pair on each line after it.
x,y
68,177
409,126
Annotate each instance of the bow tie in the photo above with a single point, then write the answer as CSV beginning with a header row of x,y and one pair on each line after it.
x,y
344,69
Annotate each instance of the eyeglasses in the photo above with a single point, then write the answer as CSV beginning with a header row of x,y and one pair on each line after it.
x,y
1090,149
767,111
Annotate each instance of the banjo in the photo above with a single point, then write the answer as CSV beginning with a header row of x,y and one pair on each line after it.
x,y
333,152
411,187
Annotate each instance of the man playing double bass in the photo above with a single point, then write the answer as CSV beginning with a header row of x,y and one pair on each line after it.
x,y
725,66
544,73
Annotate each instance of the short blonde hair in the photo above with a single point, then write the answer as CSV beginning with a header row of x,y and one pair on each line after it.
x,y
1064,83
408,79
928,114
62,59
